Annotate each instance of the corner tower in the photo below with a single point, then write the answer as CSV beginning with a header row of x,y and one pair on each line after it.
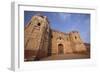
x,y
36,38
76,42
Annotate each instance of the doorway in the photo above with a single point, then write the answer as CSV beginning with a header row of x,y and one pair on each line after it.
x,y
60,49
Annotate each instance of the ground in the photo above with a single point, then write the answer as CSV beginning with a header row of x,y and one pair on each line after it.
x,y
67,56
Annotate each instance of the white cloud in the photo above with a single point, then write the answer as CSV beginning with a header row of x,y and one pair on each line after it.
x,y
64,16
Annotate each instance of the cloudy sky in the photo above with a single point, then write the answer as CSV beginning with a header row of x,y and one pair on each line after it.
x,y
65,22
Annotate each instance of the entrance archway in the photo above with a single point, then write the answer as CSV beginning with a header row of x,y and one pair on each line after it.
x,y
60,49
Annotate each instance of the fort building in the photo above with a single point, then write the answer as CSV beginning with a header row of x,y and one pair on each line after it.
x,y
40,40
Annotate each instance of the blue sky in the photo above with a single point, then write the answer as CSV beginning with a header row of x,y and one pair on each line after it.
x,y
65,22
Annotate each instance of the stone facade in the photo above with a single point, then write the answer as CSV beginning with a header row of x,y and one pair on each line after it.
x,y
41,40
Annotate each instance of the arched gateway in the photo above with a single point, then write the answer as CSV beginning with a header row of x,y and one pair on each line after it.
x,y
60,49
